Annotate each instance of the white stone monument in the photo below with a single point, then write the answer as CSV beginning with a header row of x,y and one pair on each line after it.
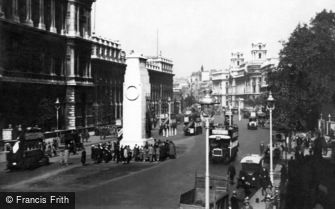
x,y
136,87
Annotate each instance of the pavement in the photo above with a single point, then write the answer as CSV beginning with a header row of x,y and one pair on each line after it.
x,y
258,200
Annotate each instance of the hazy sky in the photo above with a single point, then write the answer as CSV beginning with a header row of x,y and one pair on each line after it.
x,y
202,32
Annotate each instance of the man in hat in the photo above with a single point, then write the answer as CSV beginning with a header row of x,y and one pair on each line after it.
x,y
231,173
246,203
268,202
234,201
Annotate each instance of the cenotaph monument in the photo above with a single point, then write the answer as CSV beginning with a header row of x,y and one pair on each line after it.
x,y
136,87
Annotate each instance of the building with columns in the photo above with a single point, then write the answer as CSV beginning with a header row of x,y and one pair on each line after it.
x,y
243,80
220,81
108,69
161,83
245,76
46,54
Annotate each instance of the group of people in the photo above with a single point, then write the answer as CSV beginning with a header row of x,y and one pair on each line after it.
x,y
113,151
264,182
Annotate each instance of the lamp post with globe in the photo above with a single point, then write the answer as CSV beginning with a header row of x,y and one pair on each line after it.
x,y
271,106
206,102
57,106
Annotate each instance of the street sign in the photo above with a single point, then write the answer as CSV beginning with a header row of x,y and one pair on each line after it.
x,y
220,132
7,134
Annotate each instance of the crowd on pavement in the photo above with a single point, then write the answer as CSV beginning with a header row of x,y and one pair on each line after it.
x,y
150,152
157,150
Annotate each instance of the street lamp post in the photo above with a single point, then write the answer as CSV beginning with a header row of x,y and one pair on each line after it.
x,y
270,107
206,102
239,109
57,106
169,116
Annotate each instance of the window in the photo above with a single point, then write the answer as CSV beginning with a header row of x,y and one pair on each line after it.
x,y
259,56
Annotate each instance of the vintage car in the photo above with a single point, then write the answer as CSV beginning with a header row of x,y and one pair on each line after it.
x,y
249,174
253,122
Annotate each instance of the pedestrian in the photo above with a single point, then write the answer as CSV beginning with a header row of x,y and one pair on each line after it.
x,y
231,173
83,157
62,162
99,153
261,148
117,151
234,201
265,181
246,204
136,153
172,150
268,203
145,152
158,152
129,154
66,156
54,148
150,152
125,154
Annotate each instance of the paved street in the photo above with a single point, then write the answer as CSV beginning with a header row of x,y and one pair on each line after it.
x,y
137,185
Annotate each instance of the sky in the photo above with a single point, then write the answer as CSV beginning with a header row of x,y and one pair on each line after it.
x,y
202,32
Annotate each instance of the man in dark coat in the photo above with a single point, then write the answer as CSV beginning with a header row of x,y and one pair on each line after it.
x,y
83,157
265,181
231,173
234,201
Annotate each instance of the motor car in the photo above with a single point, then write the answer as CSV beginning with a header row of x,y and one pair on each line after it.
x,y
249,173
252,124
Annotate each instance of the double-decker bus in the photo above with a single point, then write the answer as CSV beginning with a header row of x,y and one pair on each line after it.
x,y
223,142
27,151
192,123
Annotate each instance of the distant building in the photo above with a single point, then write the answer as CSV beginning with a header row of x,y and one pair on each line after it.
x,y
160,71
243,80
245,76
220,81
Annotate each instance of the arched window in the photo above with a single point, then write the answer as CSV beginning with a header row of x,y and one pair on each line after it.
x,y
259,56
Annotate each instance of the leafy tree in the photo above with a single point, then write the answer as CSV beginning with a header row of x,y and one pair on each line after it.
x,y
305,78
189,100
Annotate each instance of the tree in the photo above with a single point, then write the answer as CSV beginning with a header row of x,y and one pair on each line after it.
x,y
305,78
189,100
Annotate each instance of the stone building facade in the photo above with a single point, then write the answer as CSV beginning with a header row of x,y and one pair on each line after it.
x,y
108,69
45,54
161,84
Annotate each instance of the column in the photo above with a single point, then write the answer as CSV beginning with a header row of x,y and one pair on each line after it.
x,y
1,11
85,73
52,66
70,114
257,85
62,29
52,19
71,19
41,24
116,96
15,7
86,28
77,19
120,99
89,68
77,73
70,61
28,20
62,73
